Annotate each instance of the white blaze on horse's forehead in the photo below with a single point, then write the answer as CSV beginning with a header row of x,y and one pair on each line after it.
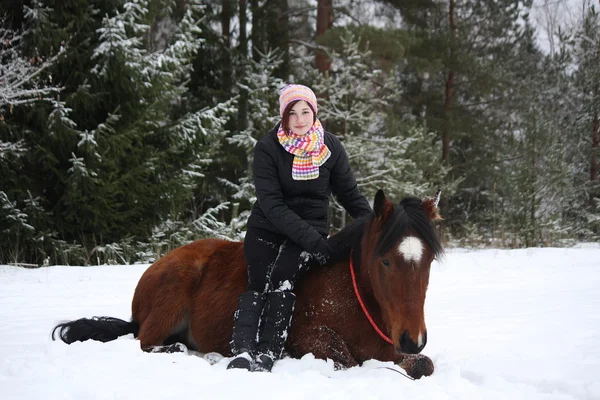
x,y
411,249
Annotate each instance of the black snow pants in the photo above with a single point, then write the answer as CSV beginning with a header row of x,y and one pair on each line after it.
x,y
275,263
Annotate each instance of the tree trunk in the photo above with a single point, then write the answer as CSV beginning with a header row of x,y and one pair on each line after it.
x,y
449,88
594,159
243,52
270,31
444,203
282,39
256,36
227,69
532,205
324,23
243,33
226,21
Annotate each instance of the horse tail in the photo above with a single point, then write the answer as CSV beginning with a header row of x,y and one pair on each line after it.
x,y
102,329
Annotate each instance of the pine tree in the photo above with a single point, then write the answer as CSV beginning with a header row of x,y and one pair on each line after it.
x,y
586,56
467,67
384,152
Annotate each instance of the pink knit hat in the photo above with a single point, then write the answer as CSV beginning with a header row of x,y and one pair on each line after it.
x,y
296,92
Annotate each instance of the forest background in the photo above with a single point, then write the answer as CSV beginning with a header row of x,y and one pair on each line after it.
x,y
127,127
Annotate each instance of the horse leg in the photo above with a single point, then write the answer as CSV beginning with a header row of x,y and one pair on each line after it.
x,y
324,343
415,365
158,327
172,348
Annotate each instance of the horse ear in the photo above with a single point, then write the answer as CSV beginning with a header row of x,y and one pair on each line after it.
x,y
430,206
382,207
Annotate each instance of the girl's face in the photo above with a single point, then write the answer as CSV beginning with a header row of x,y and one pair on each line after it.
x,y
301,118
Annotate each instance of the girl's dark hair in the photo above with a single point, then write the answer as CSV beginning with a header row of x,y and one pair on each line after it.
x,y
286,115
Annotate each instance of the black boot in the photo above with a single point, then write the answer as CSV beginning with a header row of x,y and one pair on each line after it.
x,y
245,328
279,309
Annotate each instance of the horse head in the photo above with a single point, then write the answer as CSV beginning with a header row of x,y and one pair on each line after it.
x,y
398,246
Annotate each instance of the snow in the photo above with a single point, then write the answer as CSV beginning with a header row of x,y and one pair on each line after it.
x,y
502,324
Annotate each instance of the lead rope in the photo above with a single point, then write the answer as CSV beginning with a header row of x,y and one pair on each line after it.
x,y
399,372
373,324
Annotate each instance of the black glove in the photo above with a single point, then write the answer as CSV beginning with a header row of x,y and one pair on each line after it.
x,y
322,252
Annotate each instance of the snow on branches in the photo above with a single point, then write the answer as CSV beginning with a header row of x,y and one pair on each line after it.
x,y
21,78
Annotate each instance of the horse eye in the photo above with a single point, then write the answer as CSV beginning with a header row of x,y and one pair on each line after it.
x,y
386,262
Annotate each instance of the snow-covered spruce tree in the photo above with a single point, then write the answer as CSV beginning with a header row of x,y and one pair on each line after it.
x,y
544,193
27,89
495,196
536,187
179,142
586,78
261,89
354,100
458,77
22,77
15,230
120,152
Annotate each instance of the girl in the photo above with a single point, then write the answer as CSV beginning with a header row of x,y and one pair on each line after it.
x,y
297,165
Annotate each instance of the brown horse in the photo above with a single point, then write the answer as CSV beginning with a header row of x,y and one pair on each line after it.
x,y
368,306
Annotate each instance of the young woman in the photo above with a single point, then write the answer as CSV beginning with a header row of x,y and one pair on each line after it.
x,y
297,165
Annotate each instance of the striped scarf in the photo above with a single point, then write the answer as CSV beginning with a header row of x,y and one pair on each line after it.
x,y
309,150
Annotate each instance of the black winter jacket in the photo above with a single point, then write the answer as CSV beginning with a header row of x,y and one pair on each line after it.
x,y
298,209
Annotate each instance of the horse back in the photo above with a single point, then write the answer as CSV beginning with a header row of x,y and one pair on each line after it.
x,y
178,279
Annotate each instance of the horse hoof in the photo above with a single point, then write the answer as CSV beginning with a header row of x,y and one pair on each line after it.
x,y
171,348
417,366
174,348
213,358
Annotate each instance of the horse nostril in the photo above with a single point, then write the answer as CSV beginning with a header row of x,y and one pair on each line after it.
x,y
408,345
423,341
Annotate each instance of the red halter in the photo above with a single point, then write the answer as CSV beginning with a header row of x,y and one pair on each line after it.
x,y
364,308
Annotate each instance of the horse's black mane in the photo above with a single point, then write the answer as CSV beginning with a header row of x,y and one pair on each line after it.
x,y
348,239
407,215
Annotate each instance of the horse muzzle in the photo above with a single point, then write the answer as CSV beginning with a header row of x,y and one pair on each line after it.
x,y
407,345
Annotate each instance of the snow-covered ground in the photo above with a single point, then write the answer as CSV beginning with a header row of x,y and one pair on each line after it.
x,y
518,324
